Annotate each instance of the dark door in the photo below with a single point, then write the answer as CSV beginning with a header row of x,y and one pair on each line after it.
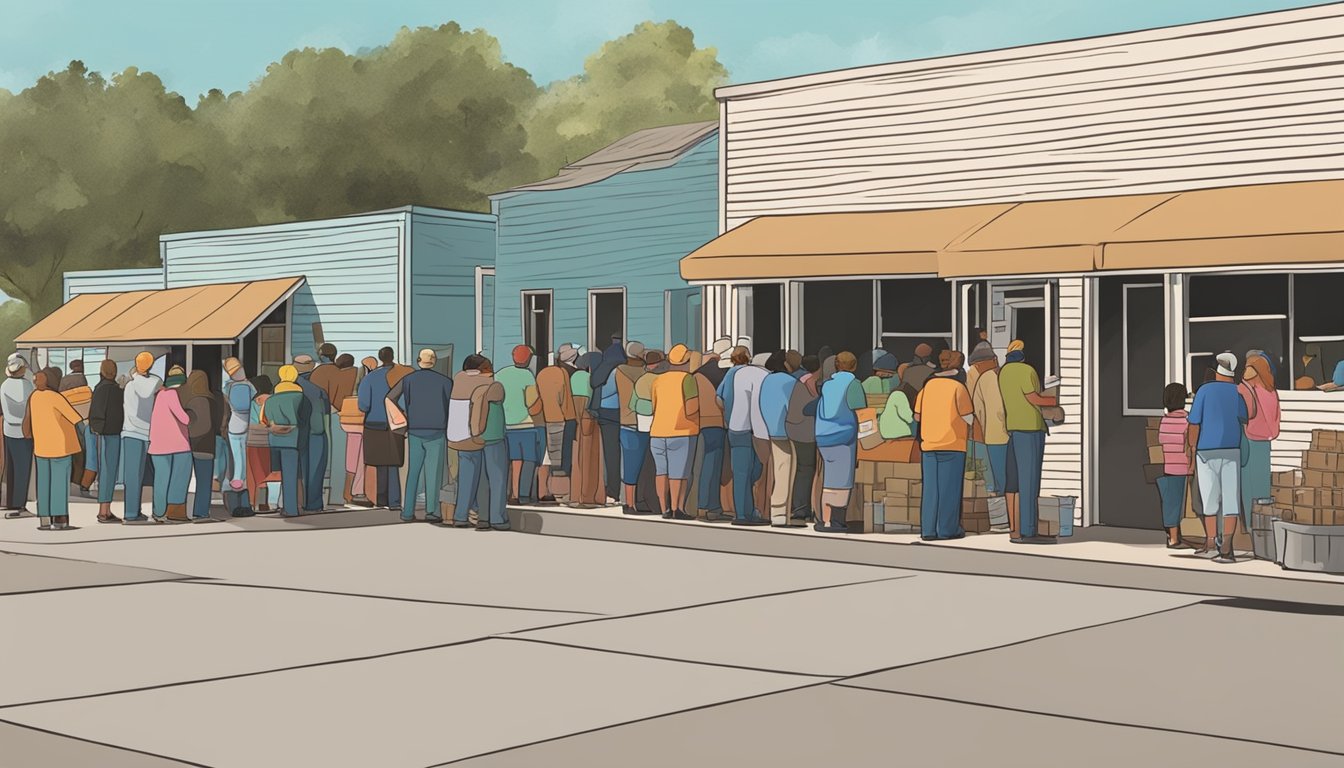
x,y
608,318
1029,326
1131,352
537,328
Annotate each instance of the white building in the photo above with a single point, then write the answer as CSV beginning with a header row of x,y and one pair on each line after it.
x,y
1129,205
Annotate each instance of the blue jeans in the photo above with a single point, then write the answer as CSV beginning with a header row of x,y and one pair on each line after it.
x,y
109,458
998,466
940,504
634,449
135,473
746,471
483,476
426,455
90,443
238,457
53,486
525,445
1026,455
313,469
290,478
1171,488
172,476
18,468
336,440
711,468
203,468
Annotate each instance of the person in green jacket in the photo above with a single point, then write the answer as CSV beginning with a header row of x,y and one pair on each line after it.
x,y
884,378
897,418
287,414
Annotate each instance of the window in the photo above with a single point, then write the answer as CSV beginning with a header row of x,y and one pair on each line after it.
x,y
760,315
683,314
537,325
606,317
1237,313
1145,349
914,311
838,314
1317,328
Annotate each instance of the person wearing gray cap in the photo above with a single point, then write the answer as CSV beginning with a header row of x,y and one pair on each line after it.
x,y
313,456
1216,421
990,431
884,374
14,394
634,442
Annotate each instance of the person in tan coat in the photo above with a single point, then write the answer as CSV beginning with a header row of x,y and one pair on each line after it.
x,y
557,410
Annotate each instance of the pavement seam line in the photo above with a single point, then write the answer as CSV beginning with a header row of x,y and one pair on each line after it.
x,y
211,582
178,580
655,657
103,743
1080,718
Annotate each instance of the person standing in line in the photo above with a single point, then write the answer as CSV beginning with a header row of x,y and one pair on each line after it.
x,y
1176,462
713,436
383,449
287,414
586,467
801,427
991,427
53,423
920,369
776,395
605,405
239,394
260,468
1216,419
313,444
476,432
838,441
884,374
521,434
137,471
338,383
203,418
945,413
634,442
1262,403
793,364
106,413
675,400
557,414
646,489
1022,402
170,449
76,390
737,395
14,394
425,396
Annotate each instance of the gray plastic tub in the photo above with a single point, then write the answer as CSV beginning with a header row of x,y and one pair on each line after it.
x,y
1318,548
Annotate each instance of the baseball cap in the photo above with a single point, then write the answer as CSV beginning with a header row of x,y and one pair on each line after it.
x,y
634,350
1227,364
678,354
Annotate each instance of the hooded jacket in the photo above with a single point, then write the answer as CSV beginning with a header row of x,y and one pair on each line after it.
x,y
204,415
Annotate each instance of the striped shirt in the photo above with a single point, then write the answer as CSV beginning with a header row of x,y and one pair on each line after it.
x,y
1172,437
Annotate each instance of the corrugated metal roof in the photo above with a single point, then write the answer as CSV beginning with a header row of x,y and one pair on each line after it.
x,y
642,150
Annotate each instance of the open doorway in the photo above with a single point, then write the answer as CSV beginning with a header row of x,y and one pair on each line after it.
x,y
606,317
760,315
537,325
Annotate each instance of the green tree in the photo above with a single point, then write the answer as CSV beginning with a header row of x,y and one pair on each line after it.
x,y
433,118
653,76
13,320
95,171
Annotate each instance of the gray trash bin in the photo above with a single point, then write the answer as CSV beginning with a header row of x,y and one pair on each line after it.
x,y
1318,548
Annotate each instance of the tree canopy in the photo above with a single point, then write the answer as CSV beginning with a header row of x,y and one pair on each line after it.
x,y
96,168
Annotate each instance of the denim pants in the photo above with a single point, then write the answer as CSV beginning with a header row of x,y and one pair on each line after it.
x,y
388,492
1026,455
804,476
313,468
1255,477
484,476
1171,489
238,458
203,468
90,443
567,447
524,445
940,504
172,476
711,468
336,440
290,477
426,456
611,457
53,486
134,463
109,458
998,466
746,471
18,469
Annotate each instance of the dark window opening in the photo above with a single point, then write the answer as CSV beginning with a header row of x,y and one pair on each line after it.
x,y
608,322
838,314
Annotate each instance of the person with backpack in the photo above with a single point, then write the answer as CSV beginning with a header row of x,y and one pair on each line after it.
x,y
287,414
476,432
838,441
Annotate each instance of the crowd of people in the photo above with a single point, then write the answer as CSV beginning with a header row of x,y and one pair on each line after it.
x,y
759,439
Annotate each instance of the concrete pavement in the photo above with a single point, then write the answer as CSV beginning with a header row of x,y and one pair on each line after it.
x,y
358,641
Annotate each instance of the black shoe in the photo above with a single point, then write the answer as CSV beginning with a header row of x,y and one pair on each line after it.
x,y
628,510
13,515
1226,558
667,515
109,519
930,538
241,512
679,515
751,521
464,524
1040,540
955,536
482,526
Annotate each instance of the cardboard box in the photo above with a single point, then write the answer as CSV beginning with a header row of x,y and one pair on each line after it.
x,y
868,434
975,507
1289,479
1324,461
1047,527
903,451
1152,437
975,524
1313,478
1154,422
1283,496
866,473
902,486
888,471
1156,455
1327,440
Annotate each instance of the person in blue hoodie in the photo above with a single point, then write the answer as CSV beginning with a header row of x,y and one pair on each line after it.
x,y
424,397
605,406
838,440
776,394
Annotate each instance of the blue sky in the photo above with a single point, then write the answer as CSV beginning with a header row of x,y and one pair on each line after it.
x,y
195,45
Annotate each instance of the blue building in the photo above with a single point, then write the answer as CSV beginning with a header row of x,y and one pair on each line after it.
x,y
408,278
594,252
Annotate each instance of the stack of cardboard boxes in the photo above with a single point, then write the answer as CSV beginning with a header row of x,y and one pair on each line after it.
x,y
975,495
1314,495
888,495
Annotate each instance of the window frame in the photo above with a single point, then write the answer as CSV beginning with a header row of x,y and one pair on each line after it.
x,y
1125,408
550,321
593,343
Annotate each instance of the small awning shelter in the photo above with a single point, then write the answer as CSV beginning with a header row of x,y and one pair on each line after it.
x,y
205,314
1294,223
835,244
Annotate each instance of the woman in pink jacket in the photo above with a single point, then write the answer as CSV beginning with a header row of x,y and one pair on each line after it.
x,y
1172,485
170,449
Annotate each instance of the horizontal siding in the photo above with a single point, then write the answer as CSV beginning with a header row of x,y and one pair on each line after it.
x,y
351,271
1301,413
444,255
1254,101
627,231
1062,473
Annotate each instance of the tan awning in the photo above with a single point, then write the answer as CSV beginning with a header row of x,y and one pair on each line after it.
x,y
1295,223
835,244
205,314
